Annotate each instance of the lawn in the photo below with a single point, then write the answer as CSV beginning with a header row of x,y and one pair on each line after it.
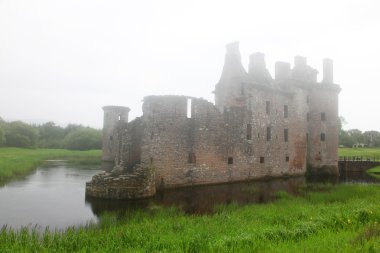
x,y
17,161
360,152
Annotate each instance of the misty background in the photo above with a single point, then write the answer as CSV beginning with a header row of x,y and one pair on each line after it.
x,y
62,61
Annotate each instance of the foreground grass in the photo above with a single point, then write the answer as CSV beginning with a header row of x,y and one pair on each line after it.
x,y
17,161
360,152
344,218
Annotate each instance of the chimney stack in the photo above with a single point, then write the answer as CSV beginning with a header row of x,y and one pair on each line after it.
x,y
328,71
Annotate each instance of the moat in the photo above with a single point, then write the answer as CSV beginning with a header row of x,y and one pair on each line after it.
x,y
54,196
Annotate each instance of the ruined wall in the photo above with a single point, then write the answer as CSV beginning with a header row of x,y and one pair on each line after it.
x,y
114,117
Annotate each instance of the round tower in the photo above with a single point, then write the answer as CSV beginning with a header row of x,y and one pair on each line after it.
x,y
113,115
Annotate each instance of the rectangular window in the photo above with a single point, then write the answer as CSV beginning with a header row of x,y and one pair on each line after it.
x,y
262,159
249,131
285,111
269,134
323,136
307,116
267,107
287,159
230,160
191,158
323,116
286,135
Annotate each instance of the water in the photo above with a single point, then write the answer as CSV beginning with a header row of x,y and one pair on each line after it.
x,y
54,196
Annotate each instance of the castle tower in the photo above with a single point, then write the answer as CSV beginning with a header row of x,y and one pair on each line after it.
x,y
231,83
113,115
323,119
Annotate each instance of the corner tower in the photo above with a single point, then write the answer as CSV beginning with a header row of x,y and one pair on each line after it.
x,y
113,116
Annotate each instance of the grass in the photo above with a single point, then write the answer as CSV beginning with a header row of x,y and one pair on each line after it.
x,y
17,161
360,152
343,218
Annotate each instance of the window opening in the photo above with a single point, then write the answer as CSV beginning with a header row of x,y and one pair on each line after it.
x,y
267,107
249,131
189,108
287,159
286,135
323,136
230,160
269,134
285,111
191,158
262,159
323,116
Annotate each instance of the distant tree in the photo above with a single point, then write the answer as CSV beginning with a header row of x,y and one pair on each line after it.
x,y
372,138
83,138
2,137
19,134
50,135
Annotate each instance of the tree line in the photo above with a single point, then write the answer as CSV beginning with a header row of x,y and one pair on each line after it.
x,y
49,135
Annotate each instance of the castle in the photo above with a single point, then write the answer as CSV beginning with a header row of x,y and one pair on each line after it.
x,y
259,127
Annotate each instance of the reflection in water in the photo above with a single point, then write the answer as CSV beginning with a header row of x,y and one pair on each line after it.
x,y
203,199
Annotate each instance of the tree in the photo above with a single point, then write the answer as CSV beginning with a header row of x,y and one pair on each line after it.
x,y
2,137
19,134
83,139
50,135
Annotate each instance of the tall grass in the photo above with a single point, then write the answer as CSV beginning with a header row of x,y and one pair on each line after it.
x,y
17,161
343,219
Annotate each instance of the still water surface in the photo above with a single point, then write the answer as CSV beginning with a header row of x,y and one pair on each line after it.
x,y
54,196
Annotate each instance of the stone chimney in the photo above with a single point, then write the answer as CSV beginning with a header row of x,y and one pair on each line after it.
x,y
257,68
328,71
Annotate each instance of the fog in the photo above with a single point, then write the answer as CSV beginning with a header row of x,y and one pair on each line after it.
x,y
62,61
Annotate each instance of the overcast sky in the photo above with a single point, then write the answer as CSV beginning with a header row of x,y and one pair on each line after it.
x,y
62,60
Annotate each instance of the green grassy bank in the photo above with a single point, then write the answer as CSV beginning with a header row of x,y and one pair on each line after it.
x,y
360,152
17,161
344,218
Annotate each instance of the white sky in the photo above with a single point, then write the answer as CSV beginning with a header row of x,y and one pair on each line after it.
x,y
62,60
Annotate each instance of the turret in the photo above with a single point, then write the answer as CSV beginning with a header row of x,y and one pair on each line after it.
x,y
113,115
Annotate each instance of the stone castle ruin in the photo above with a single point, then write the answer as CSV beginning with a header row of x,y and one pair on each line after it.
x,y
260,126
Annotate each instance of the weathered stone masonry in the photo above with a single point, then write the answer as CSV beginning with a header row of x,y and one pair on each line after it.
x,y
259,126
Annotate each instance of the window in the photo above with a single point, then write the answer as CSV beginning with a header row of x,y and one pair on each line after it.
x,y
267,107
262,159
287,159
307,116
323,116
286,135
230,160
285,111
188,109
119,117
191,158
268,134
323,136
249,131
151,160
111,138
